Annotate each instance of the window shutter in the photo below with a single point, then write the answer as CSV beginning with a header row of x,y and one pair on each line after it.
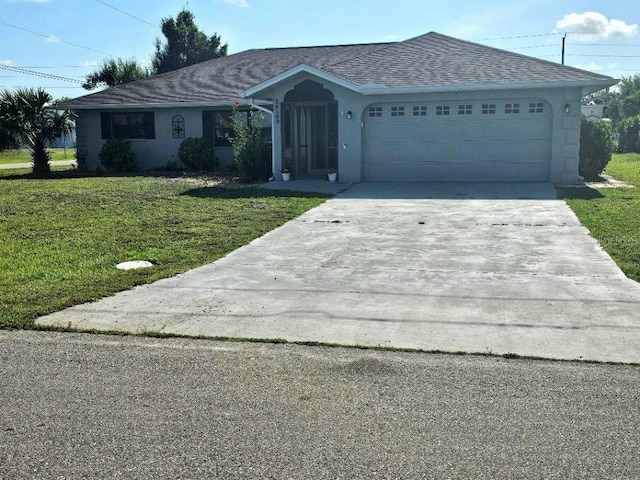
x,y
207,126
105,125
148,120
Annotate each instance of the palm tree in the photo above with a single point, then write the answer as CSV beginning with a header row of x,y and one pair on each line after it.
x,y
28,115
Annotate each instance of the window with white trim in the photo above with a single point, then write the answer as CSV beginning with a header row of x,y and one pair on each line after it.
x,y
488,108
375,111
511,108
537,107
442,110
466,109
397,111
420,111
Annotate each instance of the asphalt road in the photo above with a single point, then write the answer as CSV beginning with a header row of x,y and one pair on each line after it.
x,y
13,166
94,406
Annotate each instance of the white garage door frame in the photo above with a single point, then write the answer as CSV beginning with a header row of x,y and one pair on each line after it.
x,y
477,140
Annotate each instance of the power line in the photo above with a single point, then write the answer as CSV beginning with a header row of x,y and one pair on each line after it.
x,y
127,14
56,66
51,37
520,36
49,86
18,76
39,74
616,45
607,56
554,45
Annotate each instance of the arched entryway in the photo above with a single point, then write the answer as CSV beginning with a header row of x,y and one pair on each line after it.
x,y
309,130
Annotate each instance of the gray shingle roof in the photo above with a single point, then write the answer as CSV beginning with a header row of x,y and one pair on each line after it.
x,y
437,60
428,60
222,79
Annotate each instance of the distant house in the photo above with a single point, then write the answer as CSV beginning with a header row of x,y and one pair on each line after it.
x,y
431,108
593,112
68,142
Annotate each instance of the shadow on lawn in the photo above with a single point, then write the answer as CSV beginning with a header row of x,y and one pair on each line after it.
x,y
578,193
248,192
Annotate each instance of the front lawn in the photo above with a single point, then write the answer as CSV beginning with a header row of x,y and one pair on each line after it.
x,y
24,156
613,214
61,238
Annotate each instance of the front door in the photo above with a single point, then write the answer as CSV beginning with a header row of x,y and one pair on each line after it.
x,y
310,138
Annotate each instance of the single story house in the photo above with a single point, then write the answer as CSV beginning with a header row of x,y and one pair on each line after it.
x,y
431,108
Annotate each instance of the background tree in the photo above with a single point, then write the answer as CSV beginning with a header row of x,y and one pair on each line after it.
x,y
619,104
33,123
7,139
185,44
116,71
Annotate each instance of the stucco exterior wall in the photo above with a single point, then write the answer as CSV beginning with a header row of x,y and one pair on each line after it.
x,y
149,154
565,136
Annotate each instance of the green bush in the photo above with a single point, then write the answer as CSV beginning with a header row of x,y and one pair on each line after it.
x,y
81,159
629,135
116,156
196,153
596,147
250,151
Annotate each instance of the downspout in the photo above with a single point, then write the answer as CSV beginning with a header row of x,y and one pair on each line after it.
x,y
273,134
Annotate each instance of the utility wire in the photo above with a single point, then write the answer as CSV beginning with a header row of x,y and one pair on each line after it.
x,y
39,74
51,37
56,66
48,86
607,56
127,14
520,36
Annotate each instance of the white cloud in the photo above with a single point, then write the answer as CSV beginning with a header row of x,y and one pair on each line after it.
x,y
30,1
51,39
592,67
89,64
7,62
238,3
595,26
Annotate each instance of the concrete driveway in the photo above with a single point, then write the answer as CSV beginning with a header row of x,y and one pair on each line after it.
x,y
453,267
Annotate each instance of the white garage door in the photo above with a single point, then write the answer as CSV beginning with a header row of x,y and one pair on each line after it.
x,y
505,141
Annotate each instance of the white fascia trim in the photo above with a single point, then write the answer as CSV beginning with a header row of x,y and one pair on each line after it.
x,y
585,84
147,106
302,68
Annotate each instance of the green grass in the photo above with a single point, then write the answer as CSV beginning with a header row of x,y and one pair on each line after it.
x,y
613,215
61,238
24,156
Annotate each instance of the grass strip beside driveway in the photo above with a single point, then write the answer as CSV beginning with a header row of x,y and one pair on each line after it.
x,y
61,238
613,214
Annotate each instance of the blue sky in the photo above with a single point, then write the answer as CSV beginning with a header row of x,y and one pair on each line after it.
x,y
68,38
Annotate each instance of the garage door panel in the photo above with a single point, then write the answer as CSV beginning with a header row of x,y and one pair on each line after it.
x,y
456,152
462,171
475,147
453,131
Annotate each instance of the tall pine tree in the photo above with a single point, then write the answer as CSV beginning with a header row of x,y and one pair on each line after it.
x,y
185,44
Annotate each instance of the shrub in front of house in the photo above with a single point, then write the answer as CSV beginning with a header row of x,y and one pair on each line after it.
x,y
250,151
629,135
116,156
596,147
196,153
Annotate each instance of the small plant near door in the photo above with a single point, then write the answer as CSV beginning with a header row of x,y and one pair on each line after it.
x,y
332,174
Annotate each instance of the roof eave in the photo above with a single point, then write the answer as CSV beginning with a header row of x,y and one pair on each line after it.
x,y
292,72
586,85
147,106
